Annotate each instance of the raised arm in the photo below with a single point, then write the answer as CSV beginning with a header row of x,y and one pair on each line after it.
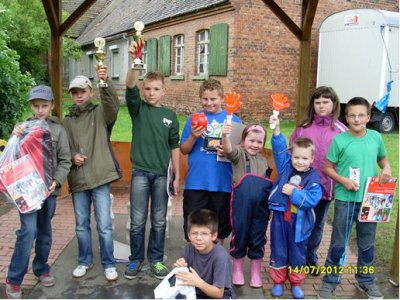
x,y
226,141
108,96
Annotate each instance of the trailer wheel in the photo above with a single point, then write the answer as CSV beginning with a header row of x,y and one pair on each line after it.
x,y
387,122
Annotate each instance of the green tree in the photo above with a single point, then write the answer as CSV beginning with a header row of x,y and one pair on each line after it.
x,y
28,34
14,87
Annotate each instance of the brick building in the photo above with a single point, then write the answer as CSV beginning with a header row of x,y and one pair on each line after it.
x,y
239,42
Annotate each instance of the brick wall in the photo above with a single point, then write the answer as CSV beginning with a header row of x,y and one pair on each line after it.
x,y
263,55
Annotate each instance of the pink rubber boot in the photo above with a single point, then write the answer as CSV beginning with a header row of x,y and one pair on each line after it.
x,y
237,271
255,273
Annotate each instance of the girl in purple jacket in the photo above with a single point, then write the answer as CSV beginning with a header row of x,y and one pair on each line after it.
x,y
320,125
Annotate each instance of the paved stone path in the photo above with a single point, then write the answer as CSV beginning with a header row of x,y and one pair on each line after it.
x,y
63,233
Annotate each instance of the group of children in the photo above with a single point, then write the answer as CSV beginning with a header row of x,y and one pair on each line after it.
x,y
219,198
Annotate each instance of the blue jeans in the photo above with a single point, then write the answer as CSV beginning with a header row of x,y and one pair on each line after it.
x,y
100,196
144,185
35,225
321,214
346,213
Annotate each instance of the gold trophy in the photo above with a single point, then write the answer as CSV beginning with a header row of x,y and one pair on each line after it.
x,y
138,38
100,55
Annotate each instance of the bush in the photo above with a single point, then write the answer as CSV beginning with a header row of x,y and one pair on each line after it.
x,y
14,88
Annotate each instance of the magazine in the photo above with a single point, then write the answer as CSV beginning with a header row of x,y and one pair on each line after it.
x,y
378,200
24,184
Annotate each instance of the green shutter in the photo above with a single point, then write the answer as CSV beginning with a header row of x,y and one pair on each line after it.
x,y
218,60
165,55
152,54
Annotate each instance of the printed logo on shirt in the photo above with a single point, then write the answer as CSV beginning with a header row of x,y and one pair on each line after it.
x,y
167,122
214,129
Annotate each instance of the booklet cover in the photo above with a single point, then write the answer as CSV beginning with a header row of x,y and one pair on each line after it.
x,y
378,200
24,184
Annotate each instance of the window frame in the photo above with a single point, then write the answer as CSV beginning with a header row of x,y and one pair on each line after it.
x,y
179,46
90,55
114,49
206,43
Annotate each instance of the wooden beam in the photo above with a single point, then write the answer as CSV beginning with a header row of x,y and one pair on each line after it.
x,y
51,12
286,20
76,15
308,18
304,79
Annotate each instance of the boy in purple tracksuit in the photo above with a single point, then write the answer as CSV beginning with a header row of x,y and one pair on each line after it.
x,y
296,191
320,125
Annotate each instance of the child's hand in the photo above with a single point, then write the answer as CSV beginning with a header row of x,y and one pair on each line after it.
x,y
181,262
275,120
79,159
190,278
384,176
288,189
177,184
53,186
132,51
220,151
350,185
226,129
102,72
197,131
18,130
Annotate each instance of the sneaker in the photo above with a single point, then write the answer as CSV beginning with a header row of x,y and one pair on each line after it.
x,y
111,273
159,270
371,290
47,280
314,269
80,271
13,290
326,291
132,269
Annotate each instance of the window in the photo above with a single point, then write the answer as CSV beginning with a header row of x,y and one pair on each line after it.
x,y
179,54
114,61
90,64
202,52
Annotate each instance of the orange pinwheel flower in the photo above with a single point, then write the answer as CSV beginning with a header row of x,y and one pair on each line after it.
x,y
279,101
232,102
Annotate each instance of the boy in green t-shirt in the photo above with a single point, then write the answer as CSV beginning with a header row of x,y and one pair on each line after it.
x,y
155,140
351,159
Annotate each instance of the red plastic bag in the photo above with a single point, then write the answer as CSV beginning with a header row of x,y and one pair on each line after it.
x,y
26,167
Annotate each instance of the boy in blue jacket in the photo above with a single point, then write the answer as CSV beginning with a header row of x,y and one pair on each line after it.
x,y
295,193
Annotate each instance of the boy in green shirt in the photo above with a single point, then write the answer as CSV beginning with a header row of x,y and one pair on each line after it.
x,y
351,159
155,140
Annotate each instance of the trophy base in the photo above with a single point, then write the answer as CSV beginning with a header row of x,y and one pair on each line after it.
x,y
102,84
137,66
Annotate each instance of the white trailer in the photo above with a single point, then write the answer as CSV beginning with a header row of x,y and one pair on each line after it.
x,y
358,54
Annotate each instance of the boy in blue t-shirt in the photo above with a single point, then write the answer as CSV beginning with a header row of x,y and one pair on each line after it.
x,y
351,159
208,182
